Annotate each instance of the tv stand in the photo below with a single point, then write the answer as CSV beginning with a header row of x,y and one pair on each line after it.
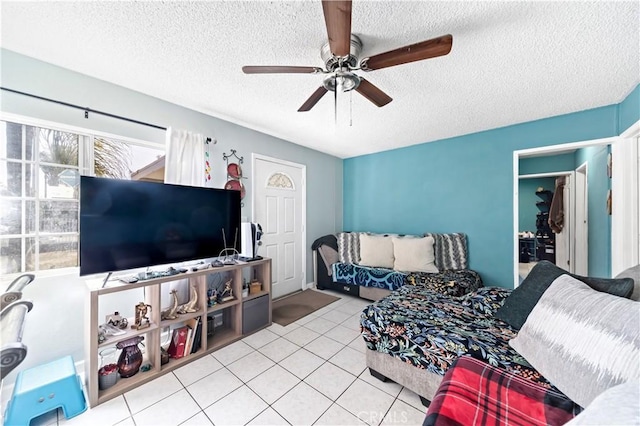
x,y
240,317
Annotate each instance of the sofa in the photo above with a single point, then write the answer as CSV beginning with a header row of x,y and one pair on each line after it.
x,y
370,265
573,336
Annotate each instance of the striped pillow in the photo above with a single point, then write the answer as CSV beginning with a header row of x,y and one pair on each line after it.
x,y
582,340
349,247
450,250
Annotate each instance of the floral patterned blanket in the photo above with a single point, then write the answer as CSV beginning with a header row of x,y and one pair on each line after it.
x,y
451,282
366,276
430,330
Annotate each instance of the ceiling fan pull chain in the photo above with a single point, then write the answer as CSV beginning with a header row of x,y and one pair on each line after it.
x,y
351,109
335,104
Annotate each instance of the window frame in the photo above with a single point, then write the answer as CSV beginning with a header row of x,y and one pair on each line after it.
x,y
85,168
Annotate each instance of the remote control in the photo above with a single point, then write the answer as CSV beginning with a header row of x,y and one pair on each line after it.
x,y
199,267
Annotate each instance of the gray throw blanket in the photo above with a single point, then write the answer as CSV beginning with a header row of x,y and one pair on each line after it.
x,y
329,257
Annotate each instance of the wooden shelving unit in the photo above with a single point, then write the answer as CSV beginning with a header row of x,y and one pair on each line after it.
x,y
222,336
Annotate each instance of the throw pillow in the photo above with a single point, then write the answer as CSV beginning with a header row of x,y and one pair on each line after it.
x,y
349,247
581,340
413,254
518,306
620,405
376,251
634,274
450,250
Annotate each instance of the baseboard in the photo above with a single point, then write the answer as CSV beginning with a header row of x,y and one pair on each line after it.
x,y
310,285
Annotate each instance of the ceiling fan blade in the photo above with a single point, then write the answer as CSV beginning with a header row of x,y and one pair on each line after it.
x,y
313,99
371,92
337,17
275,69
439,46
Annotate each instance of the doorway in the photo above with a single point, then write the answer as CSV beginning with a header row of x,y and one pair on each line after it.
x,y
279,206
537,239
569,157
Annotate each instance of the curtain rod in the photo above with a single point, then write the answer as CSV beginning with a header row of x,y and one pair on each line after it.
x,y
87,110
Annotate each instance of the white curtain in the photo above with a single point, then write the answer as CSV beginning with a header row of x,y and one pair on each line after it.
x,y
187,159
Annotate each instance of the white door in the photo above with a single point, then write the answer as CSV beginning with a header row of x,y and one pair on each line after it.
x,y
279,199
625,219
581,248
563,239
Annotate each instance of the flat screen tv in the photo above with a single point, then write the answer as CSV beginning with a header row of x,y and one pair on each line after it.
x,y
128,224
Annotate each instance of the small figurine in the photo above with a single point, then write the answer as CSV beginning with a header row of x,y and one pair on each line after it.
x,y
170,313
192,304
212,297
117,321
227,293
141,318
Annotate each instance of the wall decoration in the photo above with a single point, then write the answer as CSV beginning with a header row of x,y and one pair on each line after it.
x,y
234,174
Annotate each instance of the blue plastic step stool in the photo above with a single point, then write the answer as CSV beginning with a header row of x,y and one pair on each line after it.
x,y
46,387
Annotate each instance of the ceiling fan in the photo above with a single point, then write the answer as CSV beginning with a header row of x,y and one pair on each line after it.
x,y
341,58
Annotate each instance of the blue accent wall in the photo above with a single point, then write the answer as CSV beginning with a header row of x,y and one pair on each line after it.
x,y
461,184
599,220
527,199
629,110
547,164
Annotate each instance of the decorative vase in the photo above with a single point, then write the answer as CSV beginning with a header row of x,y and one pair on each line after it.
x,y
108,372
130,358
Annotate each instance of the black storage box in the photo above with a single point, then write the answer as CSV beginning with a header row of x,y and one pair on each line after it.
x,y
255,314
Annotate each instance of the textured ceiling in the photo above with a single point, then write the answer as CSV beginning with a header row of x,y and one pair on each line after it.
x,y
511,62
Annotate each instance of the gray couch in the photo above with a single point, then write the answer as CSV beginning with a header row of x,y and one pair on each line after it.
x,y
418,360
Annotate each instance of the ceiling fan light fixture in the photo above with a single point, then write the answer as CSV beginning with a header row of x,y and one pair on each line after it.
x,y
341,81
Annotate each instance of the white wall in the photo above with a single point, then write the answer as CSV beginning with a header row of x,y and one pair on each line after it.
x,y
55,327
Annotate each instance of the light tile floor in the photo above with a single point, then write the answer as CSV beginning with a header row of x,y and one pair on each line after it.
x,y
311,372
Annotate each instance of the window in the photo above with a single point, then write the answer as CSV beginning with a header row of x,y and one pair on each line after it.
x,y
40,172
280,180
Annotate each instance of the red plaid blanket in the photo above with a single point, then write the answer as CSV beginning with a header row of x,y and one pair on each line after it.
x,y
475,393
